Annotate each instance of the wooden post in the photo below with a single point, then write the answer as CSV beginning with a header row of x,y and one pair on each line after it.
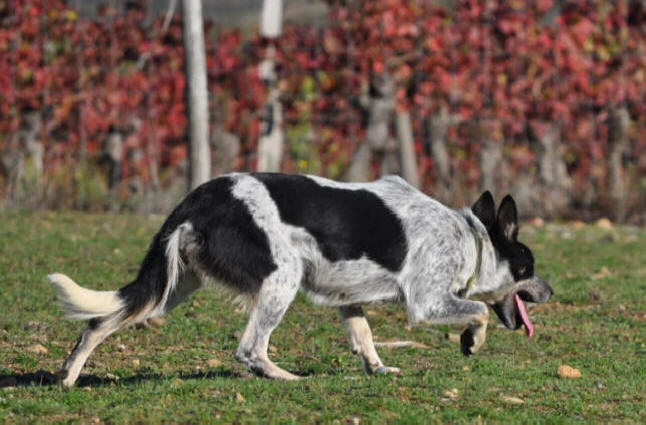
x,y
618,127
407,148
196,94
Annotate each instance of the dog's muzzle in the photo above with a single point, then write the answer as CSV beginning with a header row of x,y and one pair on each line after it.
x,y
511,310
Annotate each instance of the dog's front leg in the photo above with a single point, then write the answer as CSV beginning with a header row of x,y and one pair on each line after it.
x,y
361,343
451,310
474,335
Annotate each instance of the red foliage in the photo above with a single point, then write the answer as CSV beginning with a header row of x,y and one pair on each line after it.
x,y
488,59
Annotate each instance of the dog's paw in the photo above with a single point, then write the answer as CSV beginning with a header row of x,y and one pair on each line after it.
x,y
386,370
467,342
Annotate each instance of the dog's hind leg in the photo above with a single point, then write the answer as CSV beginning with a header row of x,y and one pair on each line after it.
x,y
451,310
360,338
94,334
274,297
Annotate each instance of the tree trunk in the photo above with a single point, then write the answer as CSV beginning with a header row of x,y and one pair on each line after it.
x,y
407,148
359,168
377,99
555,182
270,145
618,125
197,94
437,127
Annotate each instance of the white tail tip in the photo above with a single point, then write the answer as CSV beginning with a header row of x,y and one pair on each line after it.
x,y
81,303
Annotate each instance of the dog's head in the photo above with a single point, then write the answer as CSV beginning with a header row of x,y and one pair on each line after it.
x,y
515,281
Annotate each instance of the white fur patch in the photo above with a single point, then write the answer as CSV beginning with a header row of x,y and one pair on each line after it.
x,y
81,303
175,264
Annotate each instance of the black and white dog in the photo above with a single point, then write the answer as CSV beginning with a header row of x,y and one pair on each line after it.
x,y
344,244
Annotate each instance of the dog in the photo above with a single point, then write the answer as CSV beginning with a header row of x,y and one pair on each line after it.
x,y
266,235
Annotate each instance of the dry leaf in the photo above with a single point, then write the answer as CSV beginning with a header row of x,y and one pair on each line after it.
x,y
240,398
213,362
37,349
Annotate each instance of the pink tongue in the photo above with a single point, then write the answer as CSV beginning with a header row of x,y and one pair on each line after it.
x,y
529,328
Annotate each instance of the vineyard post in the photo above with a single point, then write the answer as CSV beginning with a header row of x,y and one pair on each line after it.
x,y
196,94
271,141
618,128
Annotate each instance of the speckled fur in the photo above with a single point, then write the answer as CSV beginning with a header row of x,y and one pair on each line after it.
x,y
440,256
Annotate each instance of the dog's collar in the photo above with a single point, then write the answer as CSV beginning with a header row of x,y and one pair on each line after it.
x,y
476,271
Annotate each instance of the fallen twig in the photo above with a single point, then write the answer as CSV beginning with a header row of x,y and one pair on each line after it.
x,y
400,344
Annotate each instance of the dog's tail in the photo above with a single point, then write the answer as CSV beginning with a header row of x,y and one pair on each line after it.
x,y
143,298
81,303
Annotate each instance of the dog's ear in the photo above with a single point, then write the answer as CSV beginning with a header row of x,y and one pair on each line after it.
x,y
507,220
485,210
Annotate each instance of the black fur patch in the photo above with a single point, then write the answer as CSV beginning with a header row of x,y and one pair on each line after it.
x,y
232,247
346,223
466,342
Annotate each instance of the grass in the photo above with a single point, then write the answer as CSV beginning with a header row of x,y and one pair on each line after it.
x,y
595,322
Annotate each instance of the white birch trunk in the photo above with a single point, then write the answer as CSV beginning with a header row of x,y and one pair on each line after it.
x,y
197,94
407,148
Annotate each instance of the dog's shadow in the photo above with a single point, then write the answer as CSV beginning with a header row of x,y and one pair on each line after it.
x,y
42,378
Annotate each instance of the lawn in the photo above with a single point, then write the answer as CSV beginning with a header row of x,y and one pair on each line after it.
x,y
184,370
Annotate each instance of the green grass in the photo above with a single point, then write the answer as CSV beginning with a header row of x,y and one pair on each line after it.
x,y
595,322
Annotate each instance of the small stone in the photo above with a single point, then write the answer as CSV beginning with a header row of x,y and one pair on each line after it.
x,y
536,222
136,362
213,362
240,398
512,400
121,347
603,223
567,372
355,420
37,349
452,393
111,376
603,272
